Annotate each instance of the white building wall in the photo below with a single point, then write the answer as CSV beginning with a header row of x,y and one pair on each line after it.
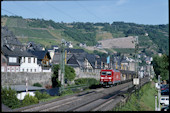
x,y
21,95
29,67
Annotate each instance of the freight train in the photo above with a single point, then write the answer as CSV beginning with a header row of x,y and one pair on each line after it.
x,y
110,77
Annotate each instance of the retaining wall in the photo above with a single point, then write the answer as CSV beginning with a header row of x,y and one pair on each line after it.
x,y
19,78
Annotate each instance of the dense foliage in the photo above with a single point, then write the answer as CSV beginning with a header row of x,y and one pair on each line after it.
x,y
69,75
147,100
37,84
9,98
87,81
161,66
42,95
29,100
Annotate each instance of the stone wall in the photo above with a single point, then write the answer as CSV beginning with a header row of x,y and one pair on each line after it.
x,y
43,78
19,78
80,74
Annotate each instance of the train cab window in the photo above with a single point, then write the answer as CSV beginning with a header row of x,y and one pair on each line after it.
x,y
106,73
109,73
103,73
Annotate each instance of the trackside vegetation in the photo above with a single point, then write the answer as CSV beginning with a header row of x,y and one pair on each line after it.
x,y
146,103
9,98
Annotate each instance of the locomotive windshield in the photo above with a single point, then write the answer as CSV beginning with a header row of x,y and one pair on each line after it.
x,y
106,72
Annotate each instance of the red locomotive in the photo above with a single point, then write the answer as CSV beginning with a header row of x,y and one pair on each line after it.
x,y
110,77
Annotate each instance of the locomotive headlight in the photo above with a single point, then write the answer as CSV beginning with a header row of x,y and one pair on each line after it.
x,y
110,77
102,78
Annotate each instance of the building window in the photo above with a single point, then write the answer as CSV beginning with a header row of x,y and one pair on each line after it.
x,y
34,60
27,70
31,70
35,70
29,60
23,70
12,69
24,59
12,59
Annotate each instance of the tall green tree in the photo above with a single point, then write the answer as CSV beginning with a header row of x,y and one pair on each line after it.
x,y
69,75
161,66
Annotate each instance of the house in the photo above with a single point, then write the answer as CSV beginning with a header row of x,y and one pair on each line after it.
x,y
69,44
124,65
83,61
68,53
82,64
13,59
82,45
43,60
19,60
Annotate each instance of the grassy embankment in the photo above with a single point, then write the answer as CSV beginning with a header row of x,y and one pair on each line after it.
x,y
147,99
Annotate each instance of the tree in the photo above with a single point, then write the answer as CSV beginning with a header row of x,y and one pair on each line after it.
x,y
9,97
69,75
29,100
54,79
161,66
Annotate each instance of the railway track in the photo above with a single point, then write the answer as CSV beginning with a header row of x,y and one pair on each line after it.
x,y
93,100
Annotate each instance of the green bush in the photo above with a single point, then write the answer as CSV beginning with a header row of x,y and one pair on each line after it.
x,y
37,84
9,98
66,92
29,100
87,81
40,95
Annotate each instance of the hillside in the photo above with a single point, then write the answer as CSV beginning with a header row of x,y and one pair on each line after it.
x,y
152,38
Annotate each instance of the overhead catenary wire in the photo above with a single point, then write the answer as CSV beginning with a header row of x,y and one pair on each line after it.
x,y
91,13
61,11
30,10
9,12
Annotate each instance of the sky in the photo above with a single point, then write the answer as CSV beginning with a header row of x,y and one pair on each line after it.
x,y
148,12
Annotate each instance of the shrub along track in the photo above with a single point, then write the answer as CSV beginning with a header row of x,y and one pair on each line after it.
x,y
93,100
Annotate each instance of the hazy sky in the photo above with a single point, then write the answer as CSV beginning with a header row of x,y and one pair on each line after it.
x,y
136,11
